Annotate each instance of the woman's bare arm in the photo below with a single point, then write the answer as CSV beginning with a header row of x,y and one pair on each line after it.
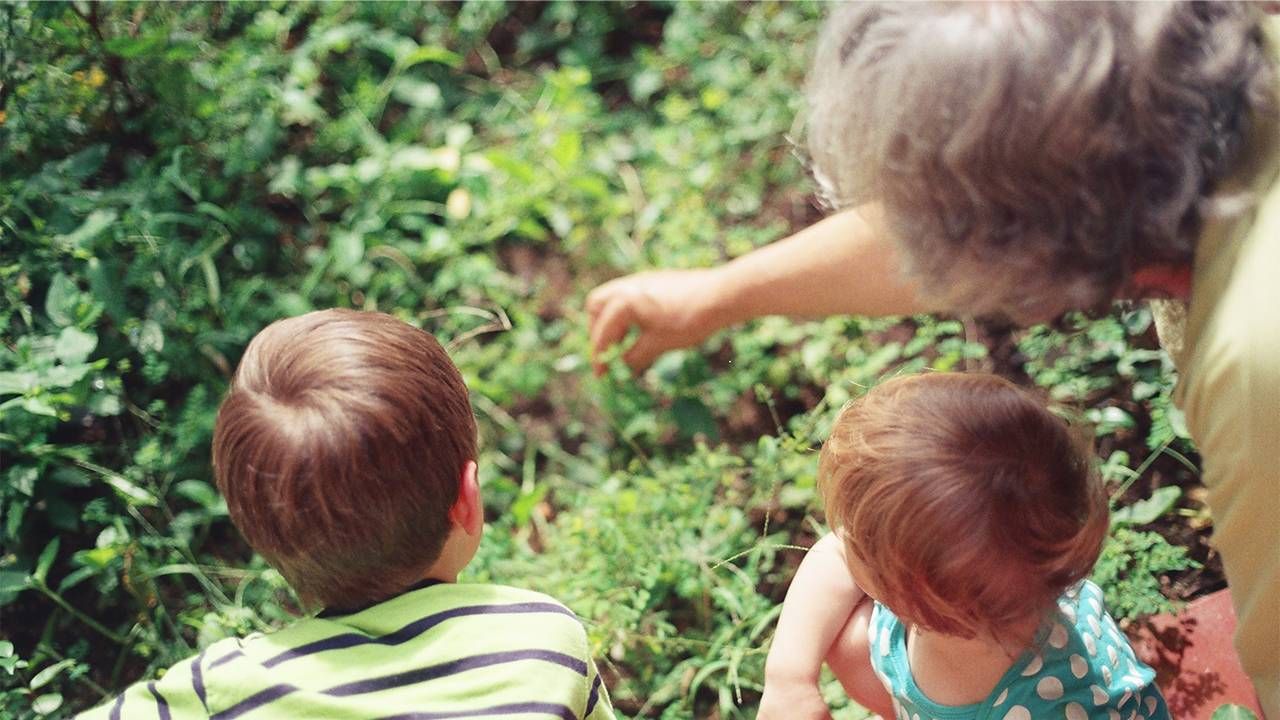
x,y
845,264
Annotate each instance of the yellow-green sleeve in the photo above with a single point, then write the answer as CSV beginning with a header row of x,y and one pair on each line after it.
x,y
179,694
1230,392
598,705
1235,419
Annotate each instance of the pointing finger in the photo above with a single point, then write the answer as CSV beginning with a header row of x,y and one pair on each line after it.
x,y
609,327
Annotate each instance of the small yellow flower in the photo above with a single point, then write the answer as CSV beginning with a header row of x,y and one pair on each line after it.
x,y
97,77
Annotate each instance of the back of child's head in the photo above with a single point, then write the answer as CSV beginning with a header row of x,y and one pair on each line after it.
x,y
339,449
968,503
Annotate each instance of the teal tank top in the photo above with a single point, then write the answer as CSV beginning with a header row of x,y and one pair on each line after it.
x,y
1081,667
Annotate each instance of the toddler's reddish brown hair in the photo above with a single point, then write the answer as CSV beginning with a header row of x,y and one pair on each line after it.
x,y
339,449
970,504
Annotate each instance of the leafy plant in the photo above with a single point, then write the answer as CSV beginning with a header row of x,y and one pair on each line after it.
x,y
1130,569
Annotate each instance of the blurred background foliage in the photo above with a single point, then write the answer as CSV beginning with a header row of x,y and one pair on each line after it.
x,y
175,176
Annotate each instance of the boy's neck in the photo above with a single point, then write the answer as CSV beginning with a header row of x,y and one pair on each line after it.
x,y
952,670
459,548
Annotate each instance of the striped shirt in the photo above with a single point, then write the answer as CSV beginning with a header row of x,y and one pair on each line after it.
x,y
438,651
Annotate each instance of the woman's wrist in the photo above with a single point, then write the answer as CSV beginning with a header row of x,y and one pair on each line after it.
x,y
717,306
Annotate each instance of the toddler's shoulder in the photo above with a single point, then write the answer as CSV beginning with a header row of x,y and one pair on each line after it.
x,y
1083,669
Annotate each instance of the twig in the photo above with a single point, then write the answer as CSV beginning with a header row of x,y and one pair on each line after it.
x,y
76,613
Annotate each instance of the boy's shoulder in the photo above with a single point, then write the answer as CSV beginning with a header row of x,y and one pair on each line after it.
x,y
493,593
441,610
445,601
432,642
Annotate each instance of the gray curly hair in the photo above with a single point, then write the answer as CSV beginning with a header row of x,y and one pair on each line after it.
x,y
1030,156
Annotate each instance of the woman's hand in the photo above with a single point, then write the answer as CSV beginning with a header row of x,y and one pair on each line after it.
x,y
843,265
671,308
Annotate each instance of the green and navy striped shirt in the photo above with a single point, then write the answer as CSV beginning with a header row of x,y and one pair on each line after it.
x,y
440,650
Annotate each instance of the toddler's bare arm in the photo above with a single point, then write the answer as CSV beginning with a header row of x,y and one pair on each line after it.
x,y
819,602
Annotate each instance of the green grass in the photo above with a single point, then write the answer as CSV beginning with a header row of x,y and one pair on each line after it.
x,y
177,176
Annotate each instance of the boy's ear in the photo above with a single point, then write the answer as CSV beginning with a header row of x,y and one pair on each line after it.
x,y
467,511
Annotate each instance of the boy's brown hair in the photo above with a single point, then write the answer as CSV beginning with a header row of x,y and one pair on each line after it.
x,y
339,449
969,503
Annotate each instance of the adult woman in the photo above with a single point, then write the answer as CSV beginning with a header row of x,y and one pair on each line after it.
x,y
1025,160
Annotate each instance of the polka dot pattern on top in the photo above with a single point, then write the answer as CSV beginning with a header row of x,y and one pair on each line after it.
x,y
1081,668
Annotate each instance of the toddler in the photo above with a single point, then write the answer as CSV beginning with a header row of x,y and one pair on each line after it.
x,y
346,451
966,518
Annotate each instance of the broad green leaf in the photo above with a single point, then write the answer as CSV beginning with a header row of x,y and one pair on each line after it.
x,y
9,660
299,107
212,284
150,337
1233,712
129,47
369,169
458,134
692,418
567,148
47,556
1148,510
105,404
131,492
287,178
23,479
522,508
106,280
60,303
199,492
61,514
83,164
291,303
98,558
419,158
90,229
62,376
431,53
45,676
12,383
644,84
217,213
346,247
37,406
76,577
13,521
47,704
74,345
1107,420
416,93
13,581
70,476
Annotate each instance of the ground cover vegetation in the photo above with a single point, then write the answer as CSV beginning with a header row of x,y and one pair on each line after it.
x,y
174,177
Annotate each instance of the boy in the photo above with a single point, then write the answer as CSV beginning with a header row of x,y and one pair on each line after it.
x,y
346,451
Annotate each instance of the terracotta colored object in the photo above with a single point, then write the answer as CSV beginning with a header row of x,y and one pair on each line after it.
x,y
1196,665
